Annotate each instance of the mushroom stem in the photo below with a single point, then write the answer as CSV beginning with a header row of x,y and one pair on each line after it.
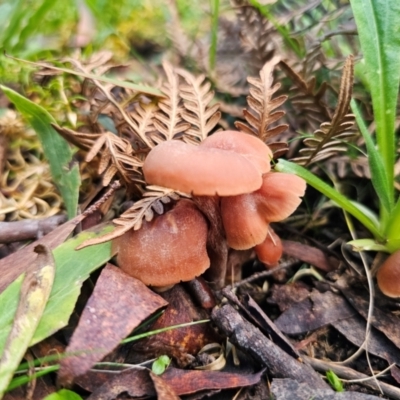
x,y
217,246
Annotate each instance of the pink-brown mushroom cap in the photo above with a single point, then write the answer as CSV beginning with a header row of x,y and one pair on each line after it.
x,y
200,170
250,147
246,217
388,276
270,250
169,249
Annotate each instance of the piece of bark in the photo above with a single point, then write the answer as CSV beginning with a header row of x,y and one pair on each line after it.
x,y
28,229
314,312
201,292
119,303
256,315
310,255
250,340
284,389
348,373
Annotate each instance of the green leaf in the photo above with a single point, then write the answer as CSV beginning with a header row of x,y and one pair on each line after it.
x,y
378,23
56,149
32,298
367,245
334,381
393,231
63,394
378,173
160,365
72,269
331,193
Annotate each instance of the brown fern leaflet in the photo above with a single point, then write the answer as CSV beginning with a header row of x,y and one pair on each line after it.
x,y
153,201
198,112
260,113
168,119
331,136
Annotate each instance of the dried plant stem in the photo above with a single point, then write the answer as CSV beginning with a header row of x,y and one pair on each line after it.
x,y
349,373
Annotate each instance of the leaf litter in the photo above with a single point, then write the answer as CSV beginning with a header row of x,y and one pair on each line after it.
x,y
184,109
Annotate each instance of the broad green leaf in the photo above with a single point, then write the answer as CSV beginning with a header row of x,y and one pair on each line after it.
x,y
376,165
56,149
63,394
32,298
72,269
367,245
378,24
331,193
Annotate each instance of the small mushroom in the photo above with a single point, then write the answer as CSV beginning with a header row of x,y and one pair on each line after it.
x,y
269,252
388,276
246,217
248,146
169,249
200,170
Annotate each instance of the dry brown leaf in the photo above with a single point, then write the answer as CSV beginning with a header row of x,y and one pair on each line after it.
x,y
106,320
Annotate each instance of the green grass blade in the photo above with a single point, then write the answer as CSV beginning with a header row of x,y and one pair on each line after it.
x,y
331,193
214,34
376,165
56,149
378,23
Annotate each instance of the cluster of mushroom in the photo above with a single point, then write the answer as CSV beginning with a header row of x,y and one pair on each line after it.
x,y
235,167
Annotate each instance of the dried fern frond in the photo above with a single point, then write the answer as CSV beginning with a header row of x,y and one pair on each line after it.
x,y
142,122
307,99
197,110
258,34
330,138
116,157
261,105
168,119
153,201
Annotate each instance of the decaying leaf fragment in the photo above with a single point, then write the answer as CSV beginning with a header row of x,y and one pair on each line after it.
x,y
35,291
119,303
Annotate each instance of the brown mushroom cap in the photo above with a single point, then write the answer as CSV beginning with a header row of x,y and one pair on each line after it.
x,y
246,217
250,147
244,222
270,250
200,170
169,249
388,276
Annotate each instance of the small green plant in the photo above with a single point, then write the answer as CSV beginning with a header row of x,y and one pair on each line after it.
x,y
334,381
160,365
380,43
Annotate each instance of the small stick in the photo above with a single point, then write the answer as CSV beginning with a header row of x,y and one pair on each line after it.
x,y
28,229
